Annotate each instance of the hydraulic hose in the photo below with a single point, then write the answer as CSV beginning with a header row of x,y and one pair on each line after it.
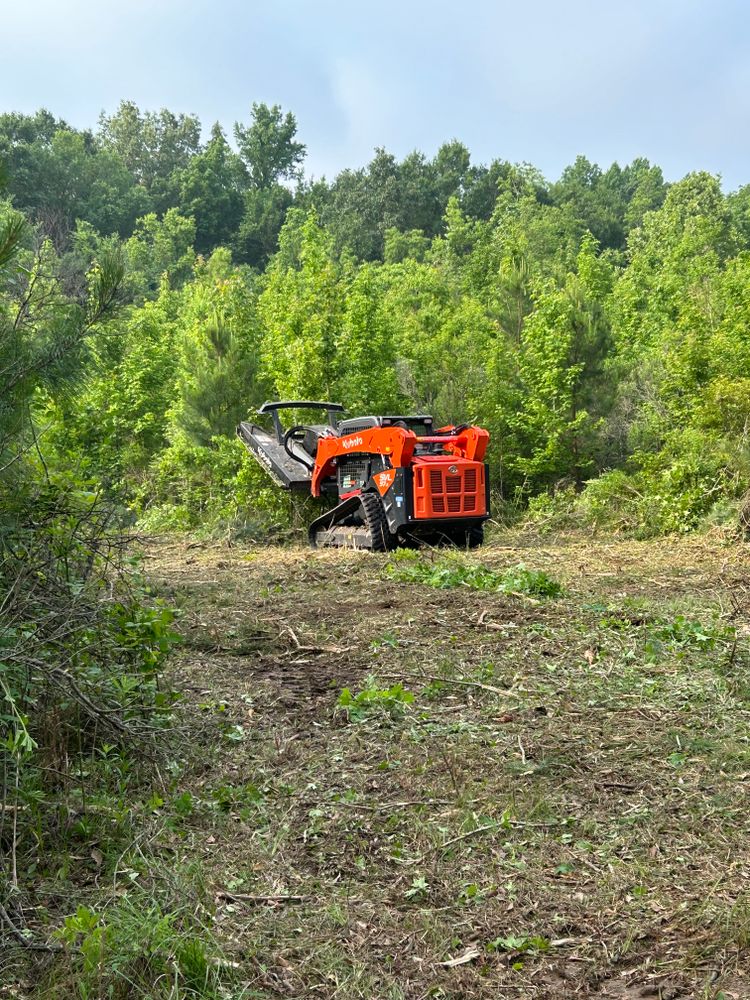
x,y
288,438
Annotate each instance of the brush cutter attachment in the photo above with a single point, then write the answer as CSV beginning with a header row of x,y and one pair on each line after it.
x,y
288,456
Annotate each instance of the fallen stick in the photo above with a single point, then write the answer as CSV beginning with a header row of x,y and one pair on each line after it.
x,y
313,649
21,938
445,680
241,897
386,806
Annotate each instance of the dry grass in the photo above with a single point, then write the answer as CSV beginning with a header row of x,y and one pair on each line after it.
x,y
564,812
561,811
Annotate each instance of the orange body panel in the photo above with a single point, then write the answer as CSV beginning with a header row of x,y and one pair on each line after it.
x,y
448,487
396,443
469,443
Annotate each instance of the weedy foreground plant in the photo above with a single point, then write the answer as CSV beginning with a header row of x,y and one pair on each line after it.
x,y
85,716
373,700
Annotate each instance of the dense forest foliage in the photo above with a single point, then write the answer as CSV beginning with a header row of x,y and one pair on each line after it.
x,y
596,325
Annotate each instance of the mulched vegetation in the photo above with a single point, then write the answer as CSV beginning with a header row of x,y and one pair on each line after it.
x,y
552,800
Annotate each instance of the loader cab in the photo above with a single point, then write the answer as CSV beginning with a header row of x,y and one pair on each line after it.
x,y
312,434
420,424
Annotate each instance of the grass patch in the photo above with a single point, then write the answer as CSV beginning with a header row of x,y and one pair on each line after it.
x,y
140,945
446,572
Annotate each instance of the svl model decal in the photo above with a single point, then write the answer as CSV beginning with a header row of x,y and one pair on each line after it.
x,y
384,480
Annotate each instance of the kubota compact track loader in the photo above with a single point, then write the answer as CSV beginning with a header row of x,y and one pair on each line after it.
x,y
397,480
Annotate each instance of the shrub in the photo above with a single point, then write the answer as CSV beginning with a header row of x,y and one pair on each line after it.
x,y
141,946
213,489
696,478
81,650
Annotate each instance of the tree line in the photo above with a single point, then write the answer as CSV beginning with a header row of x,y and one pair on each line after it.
x,y
136,163
596,325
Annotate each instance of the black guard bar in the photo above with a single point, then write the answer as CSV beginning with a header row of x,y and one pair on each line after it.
x,y
301,404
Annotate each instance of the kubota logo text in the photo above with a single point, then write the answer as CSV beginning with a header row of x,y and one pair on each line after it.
x,y
351,442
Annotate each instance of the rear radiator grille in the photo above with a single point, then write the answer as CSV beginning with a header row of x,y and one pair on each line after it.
x,y
456,493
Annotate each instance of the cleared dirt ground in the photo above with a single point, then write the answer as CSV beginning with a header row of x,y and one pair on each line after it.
x,y
561,811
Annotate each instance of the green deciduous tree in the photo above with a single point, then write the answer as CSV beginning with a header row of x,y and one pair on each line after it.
x,y
665,306
301,310
367,347
59,175
160,249
257,237
211,192
155,146
268,146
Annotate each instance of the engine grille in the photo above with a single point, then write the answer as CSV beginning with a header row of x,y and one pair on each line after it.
x,y
353,473
439,492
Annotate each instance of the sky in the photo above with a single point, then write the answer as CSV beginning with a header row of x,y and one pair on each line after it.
x,y
537,82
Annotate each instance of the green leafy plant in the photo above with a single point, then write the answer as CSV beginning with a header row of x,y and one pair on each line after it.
x,y
447,572
418,889
521,944
682,635
373,700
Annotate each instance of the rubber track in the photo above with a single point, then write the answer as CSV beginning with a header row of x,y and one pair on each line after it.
x,y
376,522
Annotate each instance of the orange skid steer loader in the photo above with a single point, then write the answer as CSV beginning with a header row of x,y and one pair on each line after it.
x,y
396,479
